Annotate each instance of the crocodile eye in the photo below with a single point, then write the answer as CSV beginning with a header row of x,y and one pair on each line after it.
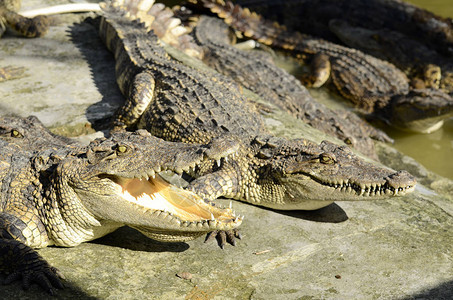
x,y
121,149
16,134
327,158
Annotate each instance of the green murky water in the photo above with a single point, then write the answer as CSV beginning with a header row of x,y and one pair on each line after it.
x,y
435,150
443,8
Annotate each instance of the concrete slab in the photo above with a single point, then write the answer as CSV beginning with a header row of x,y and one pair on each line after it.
x,y
398,249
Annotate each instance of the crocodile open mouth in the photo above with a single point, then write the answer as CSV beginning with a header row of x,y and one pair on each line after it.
x,y
157,194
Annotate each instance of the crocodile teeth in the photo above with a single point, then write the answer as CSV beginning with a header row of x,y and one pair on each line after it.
x,y
212,217
218,162
151,173
226,158
231,204
178,170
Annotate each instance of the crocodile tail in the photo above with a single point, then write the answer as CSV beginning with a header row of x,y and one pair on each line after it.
x,y
160,19
245,22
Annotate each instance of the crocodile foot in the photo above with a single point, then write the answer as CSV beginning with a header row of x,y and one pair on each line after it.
x,y
32,268
224,236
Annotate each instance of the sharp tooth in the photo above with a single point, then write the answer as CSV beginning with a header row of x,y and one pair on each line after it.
x,y
152,173
212,217
231,204
226,158
218,163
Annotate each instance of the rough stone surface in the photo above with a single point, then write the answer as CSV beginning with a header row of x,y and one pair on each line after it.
x,y
395,249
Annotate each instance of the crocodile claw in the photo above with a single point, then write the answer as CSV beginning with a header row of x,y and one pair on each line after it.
x,y
47,277
224,236
32,268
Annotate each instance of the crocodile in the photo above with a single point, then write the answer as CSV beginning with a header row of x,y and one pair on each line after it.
x,y
257,73
178,103
423,65
70,194
313,17
277,86
373,85
30,134
27,27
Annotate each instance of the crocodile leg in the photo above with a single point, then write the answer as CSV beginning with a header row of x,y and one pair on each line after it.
x,y
216,184
212,186
20,261
141,93
28,27
319,71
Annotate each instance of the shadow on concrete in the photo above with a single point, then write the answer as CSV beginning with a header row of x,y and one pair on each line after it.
x,y
131,239
329,214
441,292
15,291
101,62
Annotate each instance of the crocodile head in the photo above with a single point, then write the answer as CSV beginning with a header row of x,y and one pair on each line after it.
x,y
299,174
422,110
115,181
29,133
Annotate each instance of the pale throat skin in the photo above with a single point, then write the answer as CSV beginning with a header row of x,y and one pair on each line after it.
x,y
114,182
66,194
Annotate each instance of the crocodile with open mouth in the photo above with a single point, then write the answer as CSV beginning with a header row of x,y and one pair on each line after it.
x,y
67,194
373,85
178,103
